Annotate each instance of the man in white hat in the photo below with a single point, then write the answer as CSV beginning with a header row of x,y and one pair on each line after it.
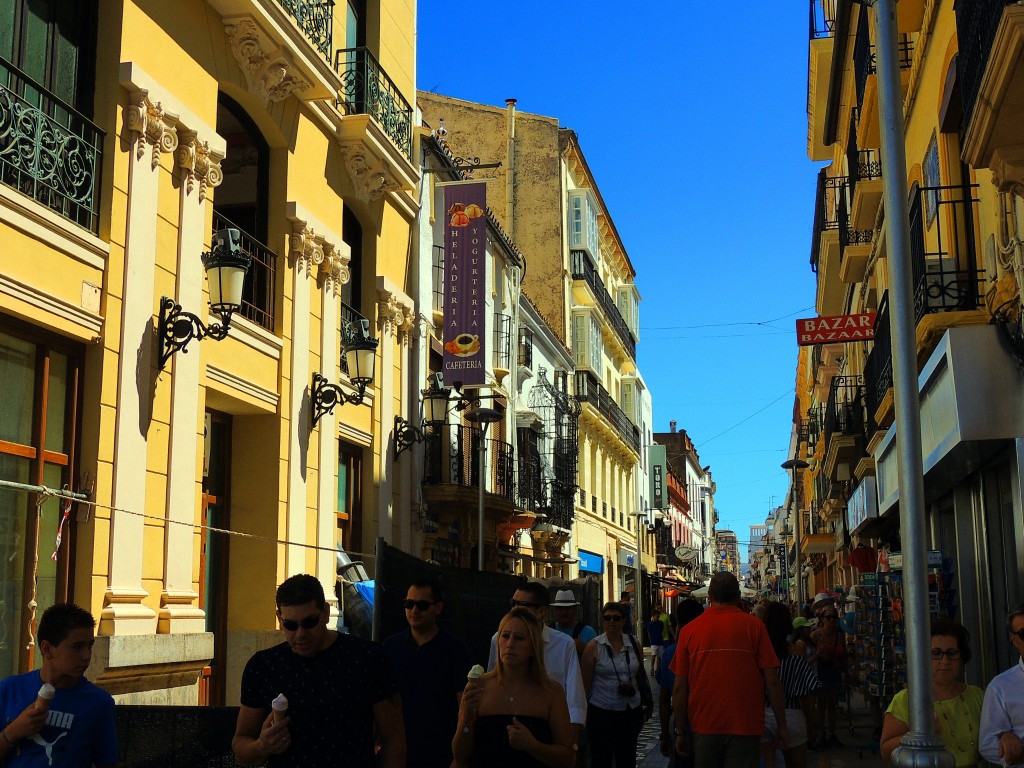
x,y
566,610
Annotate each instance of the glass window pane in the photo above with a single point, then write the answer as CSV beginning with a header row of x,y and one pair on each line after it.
x,y
7,29
343,463
35,43
56,403
14,506
17,372
49,519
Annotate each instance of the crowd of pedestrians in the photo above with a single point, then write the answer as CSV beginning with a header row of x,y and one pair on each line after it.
x,y
736,688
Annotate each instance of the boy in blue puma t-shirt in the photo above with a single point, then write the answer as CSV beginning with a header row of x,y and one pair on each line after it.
x,y
77,729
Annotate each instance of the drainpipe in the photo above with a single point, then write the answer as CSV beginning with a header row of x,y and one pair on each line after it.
x,y
510,174
920,747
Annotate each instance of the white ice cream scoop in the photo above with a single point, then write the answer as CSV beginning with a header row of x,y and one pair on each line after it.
x,y
45,696
280,707
476,672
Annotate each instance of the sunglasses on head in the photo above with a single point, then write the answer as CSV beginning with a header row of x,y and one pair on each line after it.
x,y
524,604
422,605
307,623
611,617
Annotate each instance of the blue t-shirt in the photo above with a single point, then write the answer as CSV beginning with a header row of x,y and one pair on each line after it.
x,y
663,674
656,632
586,634
79,730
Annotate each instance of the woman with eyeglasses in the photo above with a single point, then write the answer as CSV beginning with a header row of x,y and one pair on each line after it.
x,y
515,716
612,666
830,657
957,705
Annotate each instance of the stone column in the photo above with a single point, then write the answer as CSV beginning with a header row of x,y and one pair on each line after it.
x,y
302,251
149,132
199,166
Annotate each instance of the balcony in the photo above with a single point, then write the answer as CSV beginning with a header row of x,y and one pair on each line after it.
x,y
451,460
865,73
437,271
283,47
48,151
878,395
589,390
819,68
828,203
367,90
990,69
529,493
259,290
843,427
502,360
584,271
948,286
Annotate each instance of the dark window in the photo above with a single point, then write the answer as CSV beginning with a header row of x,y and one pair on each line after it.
x,y
39,406
352,235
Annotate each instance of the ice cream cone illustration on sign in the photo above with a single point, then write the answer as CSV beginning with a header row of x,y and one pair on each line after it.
x,y
458,213
463,345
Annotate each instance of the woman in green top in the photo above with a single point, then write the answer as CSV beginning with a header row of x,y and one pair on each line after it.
x,y
957,705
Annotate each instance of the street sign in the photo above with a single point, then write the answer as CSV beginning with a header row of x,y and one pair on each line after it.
x,y
835,328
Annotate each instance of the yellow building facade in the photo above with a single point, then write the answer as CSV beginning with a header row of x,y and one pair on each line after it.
x,y
137,131
958,66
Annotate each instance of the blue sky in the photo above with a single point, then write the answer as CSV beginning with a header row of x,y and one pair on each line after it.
x,y
692,117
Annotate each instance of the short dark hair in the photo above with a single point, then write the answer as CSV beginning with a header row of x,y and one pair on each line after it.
x,y
687,610
724,588
299,590
61,620
625,596
537,591
1018,611
614,607
778,621
943,627
429,582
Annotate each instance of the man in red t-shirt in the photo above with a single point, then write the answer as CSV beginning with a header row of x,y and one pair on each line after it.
x,y
724,665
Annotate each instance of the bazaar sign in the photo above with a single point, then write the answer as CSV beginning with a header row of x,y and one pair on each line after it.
x,y
835,328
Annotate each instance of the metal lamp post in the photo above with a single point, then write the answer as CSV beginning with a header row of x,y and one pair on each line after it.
x,y
484,417
920,748
792,466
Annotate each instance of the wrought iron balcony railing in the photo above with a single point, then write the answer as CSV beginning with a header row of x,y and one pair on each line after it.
x,y
943,249
525,352
529,488
350,323
844,413
451,456
976,26
316,20
864,57
589,390
823,18
828,202
259,290
367,90
502,341
438,274
583,269
48,150
559,505
878,366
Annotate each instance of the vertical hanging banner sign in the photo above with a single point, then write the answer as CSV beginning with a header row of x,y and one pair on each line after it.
x,y
465,283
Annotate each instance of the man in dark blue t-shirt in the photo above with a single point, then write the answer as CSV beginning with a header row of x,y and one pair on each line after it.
x,y
430,666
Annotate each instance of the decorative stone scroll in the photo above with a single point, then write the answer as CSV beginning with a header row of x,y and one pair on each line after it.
x,y
148,123
198,163
307,249
269,71
395,314
367,173
334,272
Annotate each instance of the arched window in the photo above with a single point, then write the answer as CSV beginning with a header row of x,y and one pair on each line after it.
x,y
241,202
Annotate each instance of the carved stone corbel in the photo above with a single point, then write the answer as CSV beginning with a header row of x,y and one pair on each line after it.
x,y
1007,165
269,71
367,173
394,315
334,271
198,163
304,249
148,123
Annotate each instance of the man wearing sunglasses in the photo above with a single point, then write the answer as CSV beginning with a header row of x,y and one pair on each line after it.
x,y
560,658
430,666
1001,736
339,689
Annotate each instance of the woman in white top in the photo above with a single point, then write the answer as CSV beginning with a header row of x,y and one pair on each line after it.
x,y
615,715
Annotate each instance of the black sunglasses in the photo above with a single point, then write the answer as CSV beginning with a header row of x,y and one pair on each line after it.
x,y
1019,633
829,617
525,604
423,605
610,617
950,653
307,623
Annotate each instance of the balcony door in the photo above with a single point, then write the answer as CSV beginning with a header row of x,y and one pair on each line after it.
x,y
39,406
53,43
